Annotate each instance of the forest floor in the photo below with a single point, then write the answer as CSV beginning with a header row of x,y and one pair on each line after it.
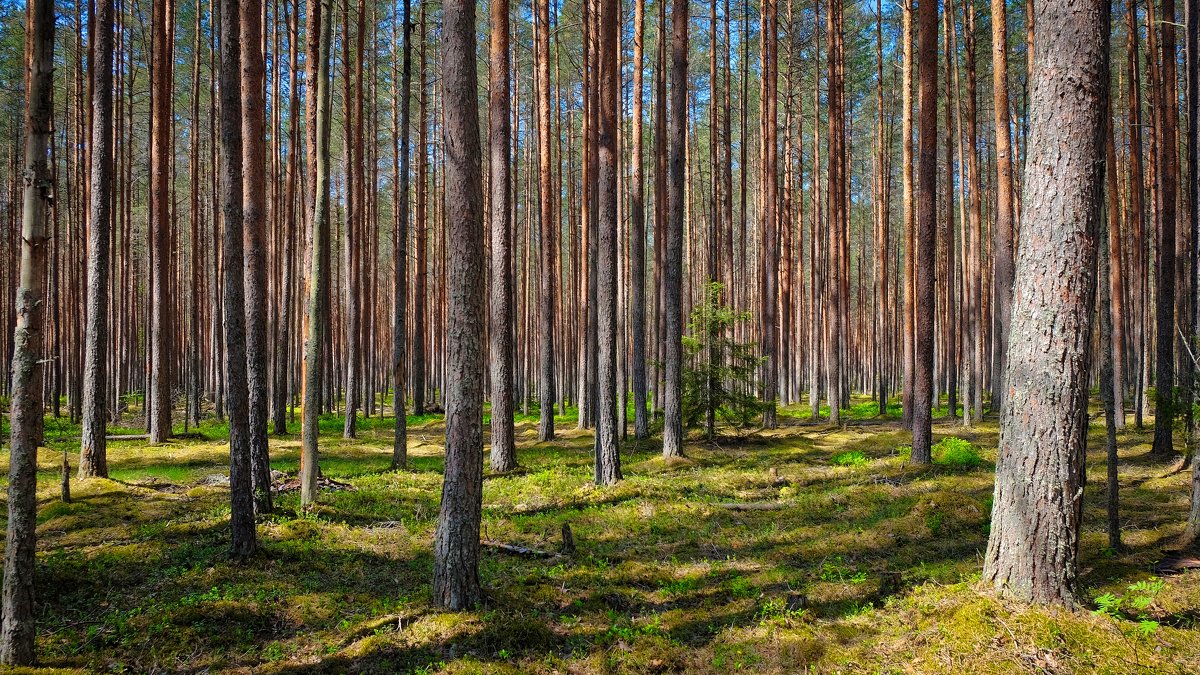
x,y
847,559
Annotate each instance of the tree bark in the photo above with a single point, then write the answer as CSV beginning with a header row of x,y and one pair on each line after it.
x,y
608,457
1164,291
1002,230
908,328
546,288
253,133
673,258
18,626
320,39
456,542
770,224
1034,544
93,457
504,450
241,488
926,235
637,235
162,50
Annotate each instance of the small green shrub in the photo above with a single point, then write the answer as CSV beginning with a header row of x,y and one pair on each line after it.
x,y
956,452
850,458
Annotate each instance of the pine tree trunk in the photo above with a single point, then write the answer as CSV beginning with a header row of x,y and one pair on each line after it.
x,y
926,233
637,235
1034,544
608,458
673,258
546,289
770,224
253,133
1164,290
162,38
93,458
241,488
456,542
1002,230
504,450
320,39
908,328
18,626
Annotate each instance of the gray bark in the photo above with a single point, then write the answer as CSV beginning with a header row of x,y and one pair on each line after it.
x,y
93,458
1034,545
456,542
17,626
673,277
504,452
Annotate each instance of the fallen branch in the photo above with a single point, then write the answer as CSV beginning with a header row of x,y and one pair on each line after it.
x,y
520,550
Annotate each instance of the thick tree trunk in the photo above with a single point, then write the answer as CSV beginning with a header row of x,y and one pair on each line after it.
x,y
253,133
241,488
673,258
18,625
926,234
504,450
608,457
93,458
1033,549
456,542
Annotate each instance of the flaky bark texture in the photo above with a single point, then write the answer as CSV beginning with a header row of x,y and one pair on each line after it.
x,y
926,233
320,23
504,450
255,270
17,626
93,457
456,543
608,457
673,281
1037,508
241,489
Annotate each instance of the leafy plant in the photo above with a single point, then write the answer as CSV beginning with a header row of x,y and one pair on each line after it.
x,y
957,452
1137,602
849,458
718,371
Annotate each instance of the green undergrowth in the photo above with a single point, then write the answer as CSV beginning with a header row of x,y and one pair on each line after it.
x,y
863,562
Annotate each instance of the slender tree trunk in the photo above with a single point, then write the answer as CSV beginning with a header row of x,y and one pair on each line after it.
x,y
637,236
926,235
1109,346
504,451
1137,216
1002,229
673,259
770,224
93,458
608,458
1164,291
456,542
18,626
162,38
320,40
908,326
1034,544
547,290
253,134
